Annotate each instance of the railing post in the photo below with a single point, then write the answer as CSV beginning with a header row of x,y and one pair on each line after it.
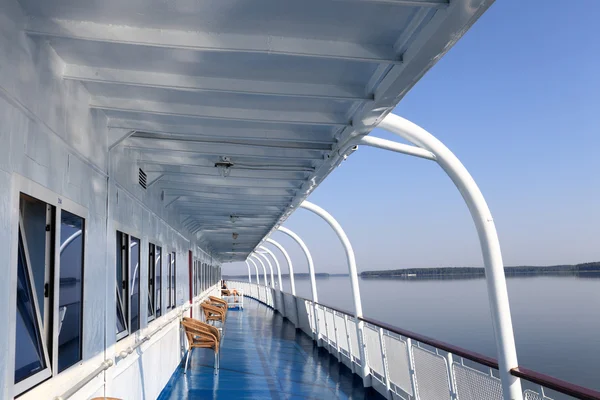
x,y
386,372
336,337
488,238
453,392
256,269
262,264
270,267
279,293
353,281
277,266
411,367
311,272
349,341
289,261
249,274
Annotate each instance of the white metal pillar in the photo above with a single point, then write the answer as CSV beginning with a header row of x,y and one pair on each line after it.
x,y
353,281
311,272
488,238
249,274
270,267
256,268
277,266
289,261
263,267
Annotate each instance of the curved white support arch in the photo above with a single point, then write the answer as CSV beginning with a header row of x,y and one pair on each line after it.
x,y
311,271
353,278
256,268
249,274
488,238
289,261
263,267
270,267
277,266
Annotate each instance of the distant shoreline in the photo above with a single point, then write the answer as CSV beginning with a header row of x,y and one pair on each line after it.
x,y
416,273
591,268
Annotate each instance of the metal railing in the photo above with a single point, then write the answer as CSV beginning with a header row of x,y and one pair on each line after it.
x,y
407,365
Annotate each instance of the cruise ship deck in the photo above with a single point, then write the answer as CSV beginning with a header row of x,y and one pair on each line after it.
x,y
146,144
263,356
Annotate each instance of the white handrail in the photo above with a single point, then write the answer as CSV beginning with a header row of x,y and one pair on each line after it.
x,y
106,364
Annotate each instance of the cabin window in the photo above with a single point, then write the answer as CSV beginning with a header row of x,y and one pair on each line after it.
x,y
158,280
127,285
49,297
171,271
122,266
151,277
173,280
70,293
134,284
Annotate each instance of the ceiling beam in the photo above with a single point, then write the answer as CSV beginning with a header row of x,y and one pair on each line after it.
x,y
231,193
235,171
210,42
211,84
325,146
268,132
222,149
138,106
194,159
406,3
219,181
184,195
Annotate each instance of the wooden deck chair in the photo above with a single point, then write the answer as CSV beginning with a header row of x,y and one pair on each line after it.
x,y
212,313
199,337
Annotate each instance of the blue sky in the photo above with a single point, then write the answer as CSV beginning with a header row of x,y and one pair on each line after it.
x,y
517,100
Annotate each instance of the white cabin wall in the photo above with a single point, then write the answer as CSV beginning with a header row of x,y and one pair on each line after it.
x,y
49,135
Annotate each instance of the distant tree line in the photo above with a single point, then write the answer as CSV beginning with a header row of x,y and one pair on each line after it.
x,y
472,271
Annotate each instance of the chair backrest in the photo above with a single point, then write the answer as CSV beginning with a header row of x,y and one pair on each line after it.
x,y
202,326
193,330
217,300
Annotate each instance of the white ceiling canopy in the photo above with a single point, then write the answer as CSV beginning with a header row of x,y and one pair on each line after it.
x,y
238,107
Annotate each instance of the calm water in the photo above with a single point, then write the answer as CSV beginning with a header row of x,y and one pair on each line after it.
x,y
556,319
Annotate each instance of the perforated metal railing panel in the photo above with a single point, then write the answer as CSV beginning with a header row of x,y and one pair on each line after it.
x,y
475,385
373,349
431,372
398,362
342,333
321,321
330,326
353,340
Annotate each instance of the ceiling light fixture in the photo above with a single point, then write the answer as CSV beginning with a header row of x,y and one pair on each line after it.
x,y
224,166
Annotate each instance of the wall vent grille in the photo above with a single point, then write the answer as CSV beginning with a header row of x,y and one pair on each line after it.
x,y
143,179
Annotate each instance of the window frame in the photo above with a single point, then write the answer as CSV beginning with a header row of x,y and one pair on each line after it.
x,y
50,333
158,284
125,308
151,281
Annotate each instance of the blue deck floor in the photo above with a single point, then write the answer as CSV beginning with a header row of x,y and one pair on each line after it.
x,y
264,357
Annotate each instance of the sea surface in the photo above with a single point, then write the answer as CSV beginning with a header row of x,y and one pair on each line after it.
x,y
556,318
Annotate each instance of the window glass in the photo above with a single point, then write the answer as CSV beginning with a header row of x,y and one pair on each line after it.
x,y
29,359
134,284
173,282
151,267
35,215
158,280
70,295
121,282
